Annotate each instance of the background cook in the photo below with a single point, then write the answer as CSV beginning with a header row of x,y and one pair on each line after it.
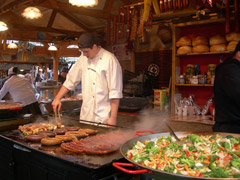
x,y
101,76
21,91
227,94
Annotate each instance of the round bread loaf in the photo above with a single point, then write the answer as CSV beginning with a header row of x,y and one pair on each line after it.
x,y
217,39
200,48
184,41
232,45
200,40
233,36
218,48
184,50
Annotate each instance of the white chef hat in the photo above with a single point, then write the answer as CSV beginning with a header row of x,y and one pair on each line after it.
x,y
12,70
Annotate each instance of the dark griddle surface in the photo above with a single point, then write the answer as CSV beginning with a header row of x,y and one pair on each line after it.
x,y
89,161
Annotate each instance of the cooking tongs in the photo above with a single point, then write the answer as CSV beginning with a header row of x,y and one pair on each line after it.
x,y
180,142
58,119
172,132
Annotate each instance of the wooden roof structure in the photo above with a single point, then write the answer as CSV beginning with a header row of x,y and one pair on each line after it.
x,y
61,21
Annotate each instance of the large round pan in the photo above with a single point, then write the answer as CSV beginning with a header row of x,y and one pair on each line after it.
x,y
158,174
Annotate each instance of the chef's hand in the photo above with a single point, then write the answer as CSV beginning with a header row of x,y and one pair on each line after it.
x,y
56,104
112,121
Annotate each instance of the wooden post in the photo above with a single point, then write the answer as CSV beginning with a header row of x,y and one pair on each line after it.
x,y
45,71
227,17
236,5
55,66
132,61
55,69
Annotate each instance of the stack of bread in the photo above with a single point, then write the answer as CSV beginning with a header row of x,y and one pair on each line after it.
x,y
232,38
200,44
217,43
184,45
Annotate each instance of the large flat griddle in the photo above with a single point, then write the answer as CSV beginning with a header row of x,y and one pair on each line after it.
x,y
88,161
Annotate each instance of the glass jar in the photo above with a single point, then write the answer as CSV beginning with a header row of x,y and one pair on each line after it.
x,y
201,79
181,79
210,73
194,80
189,72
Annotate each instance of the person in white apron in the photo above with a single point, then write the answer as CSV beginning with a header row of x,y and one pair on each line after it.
x,y
101,76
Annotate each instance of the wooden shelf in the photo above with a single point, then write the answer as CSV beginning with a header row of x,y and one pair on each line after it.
x,y
205,53
202,22
27,62
197,85
183,29
194,119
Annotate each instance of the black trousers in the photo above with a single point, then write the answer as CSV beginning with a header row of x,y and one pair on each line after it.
x,y
31,109
228,128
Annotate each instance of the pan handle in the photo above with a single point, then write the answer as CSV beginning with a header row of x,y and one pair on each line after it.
x,y
119,165
139,132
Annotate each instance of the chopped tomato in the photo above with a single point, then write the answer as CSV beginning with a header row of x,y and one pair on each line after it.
x,y
187,153
131,155
237,146
227,158
206,162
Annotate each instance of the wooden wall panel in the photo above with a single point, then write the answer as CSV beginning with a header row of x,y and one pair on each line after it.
x,y
161,58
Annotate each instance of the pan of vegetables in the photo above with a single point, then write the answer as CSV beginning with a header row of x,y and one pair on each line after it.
x,y
198,155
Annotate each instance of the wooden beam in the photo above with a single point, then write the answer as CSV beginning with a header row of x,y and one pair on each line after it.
x,y
74,20
41,51
26,36
26,62
14,5
65,52
52,18
108,5
74,9
25,27
8,51
54,4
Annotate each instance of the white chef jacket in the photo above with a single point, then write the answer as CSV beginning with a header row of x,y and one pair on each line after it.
x,y
20,90
101,79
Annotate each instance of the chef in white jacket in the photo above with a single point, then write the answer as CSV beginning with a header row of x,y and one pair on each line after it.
x,y
101,76
21,92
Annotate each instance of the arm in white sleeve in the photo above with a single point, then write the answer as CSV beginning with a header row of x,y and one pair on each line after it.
x,y
3,91
74,76
114,78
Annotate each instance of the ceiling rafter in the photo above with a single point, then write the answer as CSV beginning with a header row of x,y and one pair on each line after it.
x,y
18,4
23,35
29,26
54,4
108,5
73,9
25,27
13,5
74,20
52,18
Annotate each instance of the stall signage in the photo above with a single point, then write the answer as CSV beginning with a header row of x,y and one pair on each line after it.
x,y
121,52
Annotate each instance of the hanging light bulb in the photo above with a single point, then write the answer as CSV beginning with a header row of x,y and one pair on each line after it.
x,y
32,13
3,26
84,3
12,45
52,48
